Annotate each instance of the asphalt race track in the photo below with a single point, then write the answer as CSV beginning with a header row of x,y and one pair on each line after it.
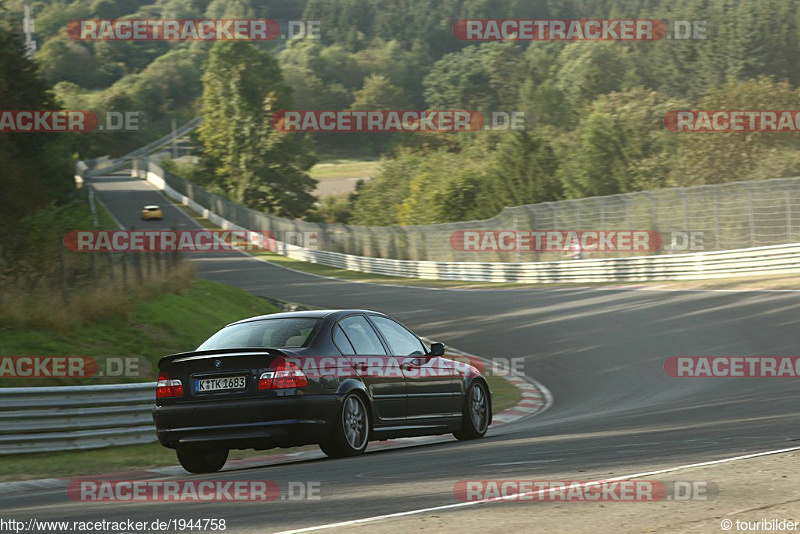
x,y
599,351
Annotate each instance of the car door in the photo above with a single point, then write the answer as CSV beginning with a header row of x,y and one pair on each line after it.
x,y
380,372
429,382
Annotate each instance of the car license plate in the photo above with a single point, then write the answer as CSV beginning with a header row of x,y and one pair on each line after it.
x,y
220,384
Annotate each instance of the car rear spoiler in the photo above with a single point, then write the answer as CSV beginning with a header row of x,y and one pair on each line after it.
x,y
221,353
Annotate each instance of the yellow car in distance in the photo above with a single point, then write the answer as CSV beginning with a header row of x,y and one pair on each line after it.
x,y
152,212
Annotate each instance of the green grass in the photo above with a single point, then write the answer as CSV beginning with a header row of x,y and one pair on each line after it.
x,y
153,328
505,395
199,219
344,168
104,219
102,461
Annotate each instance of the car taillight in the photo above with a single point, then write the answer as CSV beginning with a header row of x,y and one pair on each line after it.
x,y
286,375
167,389
265,380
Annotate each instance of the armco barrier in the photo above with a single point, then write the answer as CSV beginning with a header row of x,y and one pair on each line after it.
x,y
774,259
44,419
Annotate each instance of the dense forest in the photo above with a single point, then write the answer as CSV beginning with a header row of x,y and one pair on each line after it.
x,y
594,111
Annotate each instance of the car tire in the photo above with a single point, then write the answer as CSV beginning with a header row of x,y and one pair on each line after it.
x,y
475,415
202,461
351,432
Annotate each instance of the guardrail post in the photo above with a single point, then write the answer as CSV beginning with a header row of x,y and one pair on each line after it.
x,y
717,235
788,200
515,222
628,219
686,223
752,214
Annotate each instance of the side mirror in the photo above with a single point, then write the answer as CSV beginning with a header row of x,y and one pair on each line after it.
x,y
437,349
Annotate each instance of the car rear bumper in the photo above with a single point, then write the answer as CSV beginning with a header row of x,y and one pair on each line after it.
x,y
247,424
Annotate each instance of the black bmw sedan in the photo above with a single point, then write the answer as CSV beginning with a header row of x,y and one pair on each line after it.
x,y
337,378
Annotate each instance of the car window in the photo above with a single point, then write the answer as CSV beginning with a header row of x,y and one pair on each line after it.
x,y
401,341
341,341
361,335
265,333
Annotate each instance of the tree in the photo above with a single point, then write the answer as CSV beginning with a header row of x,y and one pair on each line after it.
x,y
36,168
255,164
62,59
309,92
712,158
622,146
525,172
230,9
476,78
587,70
379,93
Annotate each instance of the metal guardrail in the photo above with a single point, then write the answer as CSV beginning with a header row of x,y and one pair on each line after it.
x,y
730,216
774,259
47,419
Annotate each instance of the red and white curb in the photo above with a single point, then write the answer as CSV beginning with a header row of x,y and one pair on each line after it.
x,y
535,398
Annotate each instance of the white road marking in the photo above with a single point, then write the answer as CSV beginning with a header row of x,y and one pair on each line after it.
x,y
530,493
525,462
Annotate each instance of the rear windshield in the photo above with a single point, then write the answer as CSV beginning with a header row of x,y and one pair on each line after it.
x,y
264,333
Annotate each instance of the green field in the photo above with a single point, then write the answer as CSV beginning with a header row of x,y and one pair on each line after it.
x,y
338,177
152,329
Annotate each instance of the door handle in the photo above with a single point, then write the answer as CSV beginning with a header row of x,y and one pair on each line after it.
x,y
407,366
361,366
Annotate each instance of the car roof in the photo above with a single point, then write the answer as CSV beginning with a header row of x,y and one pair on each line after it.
x,y
311,314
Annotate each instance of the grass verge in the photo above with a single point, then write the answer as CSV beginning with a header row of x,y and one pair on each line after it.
x,y
505,395
335,169
103,461
169,323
